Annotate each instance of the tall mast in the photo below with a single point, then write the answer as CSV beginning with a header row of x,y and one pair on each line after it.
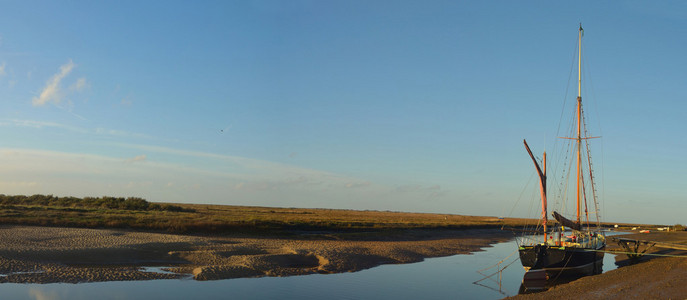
x,y
579,120
542,185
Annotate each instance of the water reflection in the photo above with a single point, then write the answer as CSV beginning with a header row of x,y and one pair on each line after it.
x,y
498,277
42,295
535,281
435,278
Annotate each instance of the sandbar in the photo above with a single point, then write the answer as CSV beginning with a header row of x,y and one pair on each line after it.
x,y
38,254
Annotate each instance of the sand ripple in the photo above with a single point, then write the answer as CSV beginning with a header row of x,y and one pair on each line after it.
x,y
33,254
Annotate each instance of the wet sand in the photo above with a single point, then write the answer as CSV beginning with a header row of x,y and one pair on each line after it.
x,y
33,254
650,278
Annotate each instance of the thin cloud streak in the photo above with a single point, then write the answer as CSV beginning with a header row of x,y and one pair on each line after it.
x,y
30,164
51,91
79,85
247,168
96,131
40,125
138,158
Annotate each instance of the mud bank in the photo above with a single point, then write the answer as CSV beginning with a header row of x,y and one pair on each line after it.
x,y
30,254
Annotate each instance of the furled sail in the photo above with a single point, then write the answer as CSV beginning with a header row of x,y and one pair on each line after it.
x,y
566,222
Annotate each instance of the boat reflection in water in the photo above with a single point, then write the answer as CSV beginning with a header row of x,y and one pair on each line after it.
x,y
535,281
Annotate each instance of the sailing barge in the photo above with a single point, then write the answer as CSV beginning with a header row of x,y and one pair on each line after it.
x,y
579,249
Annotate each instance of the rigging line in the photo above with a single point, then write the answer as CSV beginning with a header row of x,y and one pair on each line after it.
x,y
509,255
567,86
492,275
500,271
584,184
534,195
566,182
584,195
560,160
563,159
603,190
593,178
593,99
529,211
595,198
633,253
491,288
593,186
559,164
521,194
566,264
598,120
590,85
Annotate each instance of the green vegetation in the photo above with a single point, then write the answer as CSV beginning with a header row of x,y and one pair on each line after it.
x,y
131,203
137,213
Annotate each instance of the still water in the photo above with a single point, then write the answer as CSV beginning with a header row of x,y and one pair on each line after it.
x,y
450,277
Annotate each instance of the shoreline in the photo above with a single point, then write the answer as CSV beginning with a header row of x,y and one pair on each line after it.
x,y
39,255
35,254
652,277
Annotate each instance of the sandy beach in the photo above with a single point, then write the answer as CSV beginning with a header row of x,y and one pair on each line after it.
x,y
34,254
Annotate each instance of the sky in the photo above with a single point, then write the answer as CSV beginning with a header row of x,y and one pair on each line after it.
x,y
416,106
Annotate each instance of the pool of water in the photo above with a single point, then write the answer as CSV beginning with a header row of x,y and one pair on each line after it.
x,y
451,277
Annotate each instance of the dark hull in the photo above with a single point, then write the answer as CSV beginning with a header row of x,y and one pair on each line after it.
x,y
561,259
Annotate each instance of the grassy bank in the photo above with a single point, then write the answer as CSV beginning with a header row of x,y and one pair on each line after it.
x,y
136,213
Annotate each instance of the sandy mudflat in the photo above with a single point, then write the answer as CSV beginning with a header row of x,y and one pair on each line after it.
x,y
650,278
32,254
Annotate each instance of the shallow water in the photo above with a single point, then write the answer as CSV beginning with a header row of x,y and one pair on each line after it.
x,y
449,277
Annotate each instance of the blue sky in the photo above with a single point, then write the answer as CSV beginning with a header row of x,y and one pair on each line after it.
x,y
384,105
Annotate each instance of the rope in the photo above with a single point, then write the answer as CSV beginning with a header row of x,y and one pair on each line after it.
x,y
520,197
566,264
509,255
497,272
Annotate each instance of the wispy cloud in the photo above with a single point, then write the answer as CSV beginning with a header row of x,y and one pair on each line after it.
x,y
2,69
126,101
269,171
51,91
40,125
79,85
120,133
179,151
41,171
353,185
137,158
96,131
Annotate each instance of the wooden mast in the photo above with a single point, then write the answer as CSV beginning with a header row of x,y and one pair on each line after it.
x,y
542,185
579,120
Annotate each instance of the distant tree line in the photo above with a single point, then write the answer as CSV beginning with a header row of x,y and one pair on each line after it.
x,y
105,202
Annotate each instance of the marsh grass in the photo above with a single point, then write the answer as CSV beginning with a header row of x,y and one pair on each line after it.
x,y
137,213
